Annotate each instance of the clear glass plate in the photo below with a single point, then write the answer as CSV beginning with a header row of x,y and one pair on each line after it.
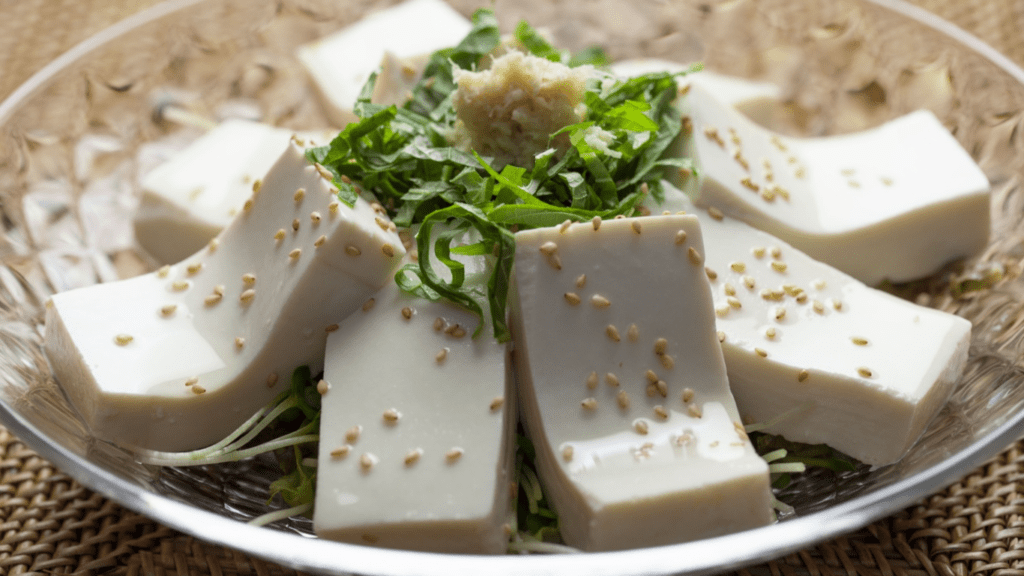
x,y
76,137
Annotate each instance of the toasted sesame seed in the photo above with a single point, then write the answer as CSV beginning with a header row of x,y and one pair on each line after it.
x,y
315,217
271,379
333,208
864,372
722,310
660,346
407,313
837,304
219,289
715,213
439,324
564,227
454,454
441,356
279,235
239,342
180,285
641,427
248,279
611,379
299,195
738,157
801,298
256,185
680,237
802,376
589,403
247,296
197,389
497,403
622,398
247,205
596,222
592,380
729,289
341,452
652,390
667,361
213,299
572,298
456,331
761,352
296,223
661,412
651,376
353,433
712,275
734,302
123,339
695,258
320,241
662,388
388,250
758,252
391,415
367,461
213,244
633,333
635,225
770,333
554,261
581,281
413,456
694,410
612,332
779,266
776,252
780,312
688,394
859,341
721,336
368,305
163,271
192,381
818,307
768,193
353,250
567,452
599,301
749,282
295,254
548,248
168,309
331,328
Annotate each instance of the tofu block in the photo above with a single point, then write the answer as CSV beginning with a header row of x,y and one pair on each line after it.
x,y
340,64
189,199
860,370
176,359
417,431
623,386
844,199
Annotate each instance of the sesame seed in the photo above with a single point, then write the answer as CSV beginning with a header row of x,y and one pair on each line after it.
x,y
248,279
388,250
315,217
341,452
564,227
837,304
769,333
497,403
197,389
295,254
651,376
239,342
596,222
554,261
729,289
667,361
592,380
213,245
749,184
123,339
548,248
366,461
256,185
662,387
572,298
688,394
439,324
818,307
635,225
456,331
413,456
779,266
633,333
859,341
599,301
331,328
247,205
271,379
776,252
219,289
738,157
333,208
611,379
819,284
801,298
192,381
652,390
680,237
454,454
368,305
694,411
749,282
567,452
761,352
683,439
407,313
612,332
213,299
623,399
734,302
768,193
296,224
661,412
802,376
180,285
168,309
320,241
712,275
353,250
391,415
722,310
589,403
694,256
660,346
163,271
247,296
641,427
864,372
758,252
441,356
581,281
279,235
780,313
353,433
721,336
715,213
324,172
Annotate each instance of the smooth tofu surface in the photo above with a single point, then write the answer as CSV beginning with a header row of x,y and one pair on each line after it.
x,y
860,370
189,199
433,474
340,64
625,463
175,359
843,199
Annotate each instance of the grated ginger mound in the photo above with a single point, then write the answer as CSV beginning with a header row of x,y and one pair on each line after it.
x,y
510,110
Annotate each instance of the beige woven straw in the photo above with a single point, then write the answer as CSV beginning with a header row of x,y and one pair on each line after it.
x,y
49,524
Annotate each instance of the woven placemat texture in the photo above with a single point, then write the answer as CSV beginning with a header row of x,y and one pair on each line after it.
x,y
49,524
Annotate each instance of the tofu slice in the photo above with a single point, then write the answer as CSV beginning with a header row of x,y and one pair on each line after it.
x,y
864,371
417,430
189,199
623,386
341,64
843,199
176,359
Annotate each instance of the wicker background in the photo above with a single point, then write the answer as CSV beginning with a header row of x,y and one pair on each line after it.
x,y
49,524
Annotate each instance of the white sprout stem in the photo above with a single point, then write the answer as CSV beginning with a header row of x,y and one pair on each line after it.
x,y
276,515
784,467
237,455
309,462
542,547
185,117
262,424
774,455
782,506
758,426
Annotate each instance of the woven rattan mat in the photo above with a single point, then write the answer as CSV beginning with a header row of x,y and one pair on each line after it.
x,y
49,524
